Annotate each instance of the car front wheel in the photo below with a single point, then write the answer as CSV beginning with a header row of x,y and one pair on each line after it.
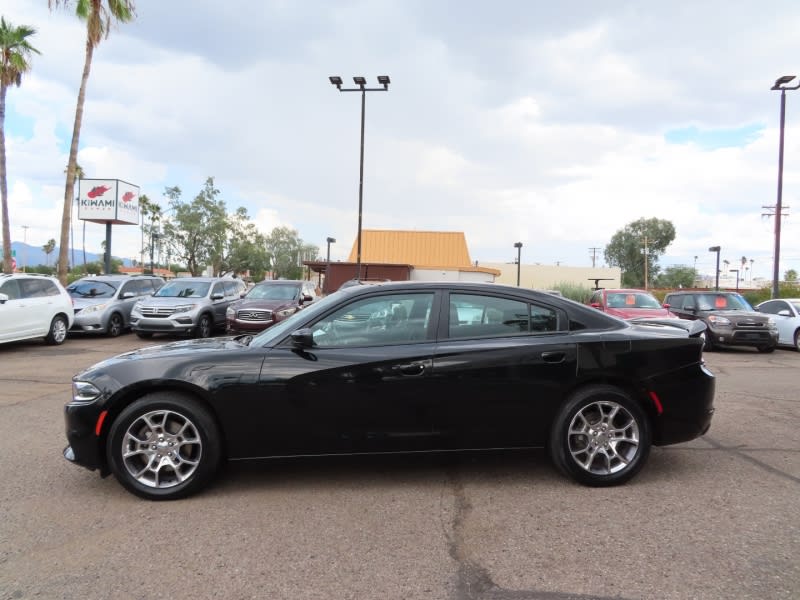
x,y
600,437
203,329
164,446
115,325
57,332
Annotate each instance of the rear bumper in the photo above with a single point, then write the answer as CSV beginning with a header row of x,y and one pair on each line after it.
x,y
687,398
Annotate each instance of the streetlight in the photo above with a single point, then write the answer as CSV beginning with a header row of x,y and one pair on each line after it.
x,y
330,241
780,84
737,277
361,82
716,249
518,246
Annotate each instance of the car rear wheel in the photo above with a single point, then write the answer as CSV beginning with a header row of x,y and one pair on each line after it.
x,y
164,446
57,332
601,437
797,340
115,325
203,329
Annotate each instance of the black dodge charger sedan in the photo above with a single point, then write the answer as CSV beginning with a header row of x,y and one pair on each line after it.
x,y
397,367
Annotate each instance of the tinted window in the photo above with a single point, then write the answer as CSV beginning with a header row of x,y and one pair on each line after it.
x,y
479,316
390,319
772,308
37,288
219,288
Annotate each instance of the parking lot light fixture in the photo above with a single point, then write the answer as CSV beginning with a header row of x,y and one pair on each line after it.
x,y
330,241
780,84
716,249
361,82
518,246
737,277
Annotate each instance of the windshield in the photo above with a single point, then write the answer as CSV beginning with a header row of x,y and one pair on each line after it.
x,y
283,328
91,289
183,289
632,300
268,291
722,302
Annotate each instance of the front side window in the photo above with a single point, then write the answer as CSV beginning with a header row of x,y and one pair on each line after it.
x,y
382,320
772,308
92,289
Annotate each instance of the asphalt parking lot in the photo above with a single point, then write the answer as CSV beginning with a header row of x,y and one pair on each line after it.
x,y
714,518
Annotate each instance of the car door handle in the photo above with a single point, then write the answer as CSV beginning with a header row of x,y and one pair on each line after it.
x,y
554,357
412,369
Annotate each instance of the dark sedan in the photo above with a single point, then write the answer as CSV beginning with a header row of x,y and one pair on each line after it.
x,y
396,367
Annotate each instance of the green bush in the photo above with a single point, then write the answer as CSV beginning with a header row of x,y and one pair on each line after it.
x,y
573,291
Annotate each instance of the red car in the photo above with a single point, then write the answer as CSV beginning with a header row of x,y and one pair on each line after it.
x,y
629,304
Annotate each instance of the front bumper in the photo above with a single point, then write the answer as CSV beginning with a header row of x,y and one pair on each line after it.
x,y
743,337
182,323
85,446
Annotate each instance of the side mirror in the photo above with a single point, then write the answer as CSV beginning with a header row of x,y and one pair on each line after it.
x,y
126,295
217,296
302,338
665,305
785,312
305,298
595,305
3,298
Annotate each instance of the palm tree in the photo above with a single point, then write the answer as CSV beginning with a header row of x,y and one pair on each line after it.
x,y
15,51
78,176
98,15
48,250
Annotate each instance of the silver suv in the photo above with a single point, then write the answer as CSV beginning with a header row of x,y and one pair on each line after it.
x,y
193,305
34,306
103,303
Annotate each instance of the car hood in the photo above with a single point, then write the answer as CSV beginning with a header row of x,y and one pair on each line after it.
x,y
272,305
159,301
79,303
637,313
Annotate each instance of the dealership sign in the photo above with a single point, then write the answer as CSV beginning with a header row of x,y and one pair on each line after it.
x,y
108,201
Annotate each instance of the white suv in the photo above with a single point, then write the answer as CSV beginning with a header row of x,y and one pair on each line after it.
x,y
34,306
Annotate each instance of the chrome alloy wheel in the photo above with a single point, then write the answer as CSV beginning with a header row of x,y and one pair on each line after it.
x,y
59,330
161,449
603,438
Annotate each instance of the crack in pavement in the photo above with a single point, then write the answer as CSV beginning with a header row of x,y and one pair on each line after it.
x,y
762,465
473,581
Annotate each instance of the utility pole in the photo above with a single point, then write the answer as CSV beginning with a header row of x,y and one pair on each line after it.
x,y
25,249
594,255
645,262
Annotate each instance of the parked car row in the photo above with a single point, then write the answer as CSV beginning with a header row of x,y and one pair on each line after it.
x,y
37,306
728,317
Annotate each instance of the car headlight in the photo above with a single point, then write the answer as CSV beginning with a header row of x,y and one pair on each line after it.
x,y
716,320
184,308
137,306
771,323
94,308
282,314
229,312
84,392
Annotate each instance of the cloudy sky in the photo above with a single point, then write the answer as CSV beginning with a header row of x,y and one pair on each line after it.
x,y
553,124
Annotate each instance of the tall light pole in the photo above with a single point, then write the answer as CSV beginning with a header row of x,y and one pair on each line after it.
x,y
737,278
330,241
716,249
518,246
780,84
361,82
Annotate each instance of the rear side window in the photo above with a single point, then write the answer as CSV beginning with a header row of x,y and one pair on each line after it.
x,y
37,288
472,315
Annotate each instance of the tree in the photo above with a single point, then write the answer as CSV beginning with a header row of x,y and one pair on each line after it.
x,y
627,249
790,276
150,209
246,247
15,52
677,277
196,232
98,16
48,250
287,252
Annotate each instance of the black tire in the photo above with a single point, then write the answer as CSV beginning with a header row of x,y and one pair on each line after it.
x,y
708,345
171,431
58,331
766,349
204,327
797,340
115,325
600,437
145,335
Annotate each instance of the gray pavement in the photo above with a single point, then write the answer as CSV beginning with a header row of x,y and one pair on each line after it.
x,y
714,518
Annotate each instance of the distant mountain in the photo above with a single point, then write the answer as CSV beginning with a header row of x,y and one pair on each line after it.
x,y
28,255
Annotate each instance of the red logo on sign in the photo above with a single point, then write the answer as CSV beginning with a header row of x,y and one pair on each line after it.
x,y
98,191
128,196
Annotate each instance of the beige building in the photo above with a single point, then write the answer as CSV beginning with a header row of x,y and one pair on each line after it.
x,y
545,277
